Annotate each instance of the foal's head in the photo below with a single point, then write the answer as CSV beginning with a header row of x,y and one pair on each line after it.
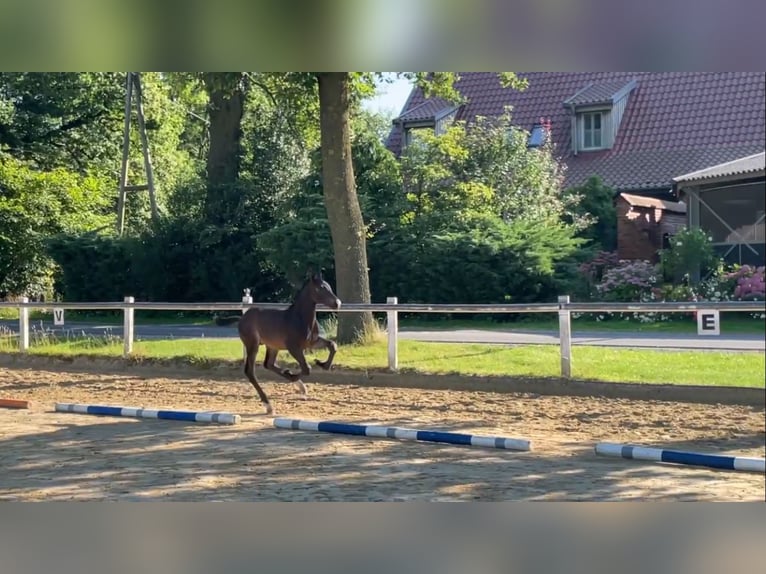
x,y
321,293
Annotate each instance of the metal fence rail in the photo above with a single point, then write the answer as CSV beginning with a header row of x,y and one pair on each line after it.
x,y
563,307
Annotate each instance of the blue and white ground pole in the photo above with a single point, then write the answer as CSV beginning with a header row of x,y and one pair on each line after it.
x,y
135,412
404,434
740,463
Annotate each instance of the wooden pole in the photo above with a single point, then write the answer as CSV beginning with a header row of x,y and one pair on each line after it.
x,y
125,150
145,145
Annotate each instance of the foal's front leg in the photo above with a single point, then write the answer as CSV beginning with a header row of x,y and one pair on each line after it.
x,y
322,343
297,352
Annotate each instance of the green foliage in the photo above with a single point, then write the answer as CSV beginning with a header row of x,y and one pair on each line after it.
x,y
180,260
35,205
484,261
596,200
444,240
441,84
489,169
93,267
70,119
690,254
481,219
303,239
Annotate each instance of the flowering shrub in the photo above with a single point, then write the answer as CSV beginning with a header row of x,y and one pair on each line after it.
x,y
628,281
594,269
639,281
748,283
691,252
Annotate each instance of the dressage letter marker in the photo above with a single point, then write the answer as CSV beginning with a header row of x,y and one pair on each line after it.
x,y
58,316
708,323
190,416
404,434
741,463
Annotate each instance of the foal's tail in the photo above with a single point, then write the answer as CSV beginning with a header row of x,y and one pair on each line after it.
x,y
227,320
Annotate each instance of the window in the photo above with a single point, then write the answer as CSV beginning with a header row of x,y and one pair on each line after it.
x,y
592,135
536,136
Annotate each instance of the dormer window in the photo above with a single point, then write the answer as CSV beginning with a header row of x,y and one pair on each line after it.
x,y
592,135
434,114
597,111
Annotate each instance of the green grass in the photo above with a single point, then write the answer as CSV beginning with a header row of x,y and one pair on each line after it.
x,y
615,365
731,322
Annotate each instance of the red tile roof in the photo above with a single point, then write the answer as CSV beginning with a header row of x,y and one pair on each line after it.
x,y
599,93
427,110
674,123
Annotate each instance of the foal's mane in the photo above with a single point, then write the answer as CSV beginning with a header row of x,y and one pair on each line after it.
x,y
299,292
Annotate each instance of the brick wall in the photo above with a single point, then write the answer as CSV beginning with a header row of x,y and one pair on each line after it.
x,y
640,230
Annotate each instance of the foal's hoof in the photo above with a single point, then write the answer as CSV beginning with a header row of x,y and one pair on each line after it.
x,y
302,392
269,409
292,377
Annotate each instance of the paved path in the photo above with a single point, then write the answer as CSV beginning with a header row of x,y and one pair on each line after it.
x,y
669,341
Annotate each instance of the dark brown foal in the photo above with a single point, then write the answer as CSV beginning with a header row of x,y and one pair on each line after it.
x,y
294,329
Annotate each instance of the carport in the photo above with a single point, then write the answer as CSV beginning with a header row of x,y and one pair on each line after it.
x,y
728,201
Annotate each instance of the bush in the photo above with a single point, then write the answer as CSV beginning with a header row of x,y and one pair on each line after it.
x,y
92,267
593,270
487,262
35,205
690,255
176,261
597,201
629,281
748,283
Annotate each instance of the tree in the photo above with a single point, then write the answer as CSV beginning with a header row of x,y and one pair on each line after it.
x,y
226,92
479,200
69,120
597,201
338,91
343,211
35,205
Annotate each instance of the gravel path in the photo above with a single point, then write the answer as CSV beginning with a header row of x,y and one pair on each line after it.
x,y
55,456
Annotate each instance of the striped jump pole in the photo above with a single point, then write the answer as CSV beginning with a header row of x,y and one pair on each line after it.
x,y
174,415
404,434
742,463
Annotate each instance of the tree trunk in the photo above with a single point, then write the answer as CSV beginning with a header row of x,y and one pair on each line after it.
x,y
343,212
226,108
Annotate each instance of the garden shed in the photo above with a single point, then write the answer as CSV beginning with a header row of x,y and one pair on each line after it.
x,y
644,225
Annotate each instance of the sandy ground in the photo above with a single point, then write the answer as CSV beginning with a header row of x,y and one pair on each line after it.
x,y
46,455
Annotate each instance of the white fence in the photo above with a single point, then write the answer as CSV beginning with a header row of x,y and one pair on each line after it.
x,y
564,307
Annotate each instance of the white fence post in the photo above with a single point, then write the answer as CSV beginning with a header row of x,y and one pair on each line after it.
x,y
24,326
393,334
128,315
247,299
565,337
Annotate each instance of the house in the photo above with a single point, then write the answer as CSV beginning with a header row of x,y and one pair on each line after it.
x,y
728,201
636,130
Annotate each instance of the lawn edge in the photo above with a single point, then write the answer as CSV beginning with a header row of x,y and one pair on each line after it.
x,y
555,386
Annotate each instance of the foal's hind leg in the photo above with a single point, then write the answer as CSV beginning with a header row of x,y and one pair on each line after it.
x,y
322,343
270,363
252,351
